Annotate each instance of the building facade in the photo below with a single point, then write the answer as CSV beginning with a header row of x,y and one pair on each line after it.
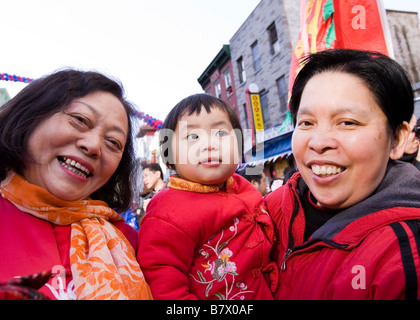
x,y
217,79
261,51
4,96
405,34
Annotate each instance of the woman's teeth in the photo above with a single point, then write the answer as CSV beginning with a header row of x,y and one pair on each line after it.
x,y
74,166
326,170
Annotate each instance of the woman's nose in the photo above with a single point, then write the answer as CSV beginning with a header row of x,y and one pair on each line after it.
x,y
322,140
90,144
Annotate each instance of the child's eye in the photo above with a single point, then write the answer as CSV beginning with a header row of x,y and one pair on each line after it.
x,y
192,136
221,133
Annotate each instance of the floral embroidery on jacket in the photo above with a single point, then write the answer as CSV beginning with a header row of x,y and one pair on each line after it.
x,y
222,268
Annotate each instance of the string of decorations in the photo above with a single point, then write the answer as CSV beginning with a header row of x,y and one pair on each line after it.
x,y
151,121
15,78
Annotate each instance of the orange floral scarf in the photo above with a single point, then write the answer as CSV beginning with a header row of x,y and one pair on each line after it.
x,y
103,262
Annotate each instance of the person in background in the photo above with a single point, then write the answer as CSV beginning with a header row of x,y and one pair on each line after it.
x,y
153,182
348,220
412,146
256,176
411,152
207,236
66,162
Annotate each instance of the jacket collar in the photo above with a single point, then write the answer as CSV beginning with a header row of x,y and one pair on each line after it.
x,y
176,182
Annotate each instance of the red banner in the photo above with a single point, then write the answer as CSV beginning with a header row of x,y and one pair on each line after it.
x,y
328,24
316,33
361,24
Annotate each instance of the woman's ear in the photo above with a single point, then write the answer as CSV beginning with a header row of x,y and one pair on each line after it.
x,y
400,141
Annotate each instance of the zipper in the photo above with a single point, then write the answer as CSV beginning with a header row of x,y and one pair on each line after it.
x,y
291,242
291,248
287,254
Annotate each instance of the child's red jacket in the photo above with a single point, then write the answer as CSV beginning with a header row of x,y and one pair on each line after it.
x,y
197,242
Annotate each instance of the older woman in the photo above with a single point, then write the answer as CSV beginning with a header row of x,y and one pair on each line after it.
x,y
348,220
66,156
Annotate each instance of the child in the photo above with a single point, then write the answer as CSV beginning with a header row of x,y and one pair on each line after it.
x,y
208,235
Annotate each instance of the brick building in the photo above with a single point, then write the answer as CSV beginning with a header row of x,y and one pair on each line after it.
x,y
261,51
217,79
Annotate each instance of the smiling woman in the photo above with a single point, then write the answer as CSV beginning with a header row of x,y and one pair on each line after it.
x,y
352,205
66,159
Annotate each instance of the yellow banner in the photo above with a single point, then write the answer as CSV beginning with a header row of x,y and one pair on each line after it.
x,y
257,112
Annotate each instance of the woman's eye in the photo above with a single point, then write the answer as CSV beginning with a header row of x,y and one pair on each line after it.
x,y
192,136
304,123
348,123
115,144
78,121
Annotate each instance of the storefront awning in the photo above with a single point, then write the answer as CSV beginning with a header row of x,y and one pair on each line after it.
x,y
275,148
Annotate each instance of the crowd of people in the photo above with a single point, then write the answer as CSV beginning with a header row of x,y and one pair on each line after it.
x,y
343,225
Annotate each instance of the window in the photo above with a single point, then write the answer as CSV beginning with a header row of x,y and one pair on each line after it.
x,y
218,88
241,70
264,106
256,55
283,91
274,41
228,82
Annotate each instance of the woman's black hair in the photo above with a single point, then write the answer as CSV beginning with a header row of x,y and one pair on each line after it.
x,y
51,94
385,78
194,105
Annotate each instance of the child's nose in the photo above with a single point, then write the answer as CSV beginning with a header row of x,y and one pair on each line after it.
x,y
210,145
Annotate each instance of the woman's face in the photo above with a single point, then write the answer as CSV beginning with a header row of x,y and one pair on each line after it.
x,y
76,151
341,142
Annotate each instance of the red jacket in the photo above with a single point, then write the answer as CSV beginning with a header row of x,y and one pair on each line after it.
x,y
31,245
207,245
368,251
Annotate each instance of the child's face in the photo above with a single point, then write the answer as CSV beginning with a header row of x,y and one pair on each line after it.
x,y
205,147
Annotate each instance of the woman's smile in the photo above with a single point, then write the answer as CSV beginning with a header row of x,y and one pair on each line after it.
x,y
75,167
